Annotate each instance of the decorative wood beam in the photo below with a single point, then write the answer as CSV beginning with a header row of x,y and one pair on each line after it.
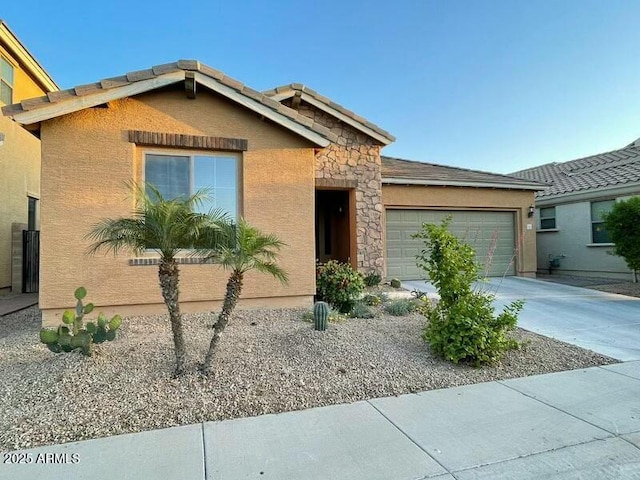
x,y
190,84
158,139
295,100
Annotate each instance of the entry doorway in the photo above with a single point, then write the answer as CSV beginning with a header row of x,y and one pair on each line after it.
x,y
335,225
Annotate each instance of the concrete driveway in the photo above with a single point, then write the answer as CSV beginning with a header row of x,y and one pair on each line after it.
x,y
603,322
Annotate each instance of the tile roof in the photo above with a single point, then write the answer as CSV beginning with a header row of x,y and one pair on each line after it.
x,y
131,78
435,174
287,91
610,169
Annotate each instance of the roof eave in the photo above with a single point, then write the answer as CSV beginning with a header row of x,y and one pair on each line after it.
x,y
280,96
27,59
590,193
457,183
74,104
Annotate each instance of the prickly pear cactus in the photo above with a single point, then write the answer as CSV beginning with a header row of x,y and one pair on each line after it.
x,y
74,335
320,316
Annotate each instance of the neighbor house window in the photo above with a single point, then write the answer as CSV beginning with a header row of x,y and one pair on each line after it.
x,y
547,218
183,175
6,82
599,233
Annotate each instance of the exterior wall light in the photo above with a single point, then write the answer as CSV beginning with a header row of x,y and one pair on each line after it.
x,y
1,139
532,211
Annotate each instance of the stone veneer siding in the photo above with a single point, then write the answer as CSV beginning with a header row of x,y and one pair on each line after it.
x,y
356,157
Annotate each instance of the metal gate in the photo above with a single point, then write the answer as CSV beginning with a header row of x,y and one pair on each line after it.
x,y
30,261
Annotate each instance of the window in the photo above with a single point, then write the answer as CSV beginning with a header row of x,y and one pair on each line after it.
x,y
598,233
6,82
31,219
547,218
183,175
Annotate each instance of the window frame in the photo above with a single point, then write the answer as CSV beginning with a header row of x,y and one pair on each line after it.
x,y
191,154
554,217
5,81
599,221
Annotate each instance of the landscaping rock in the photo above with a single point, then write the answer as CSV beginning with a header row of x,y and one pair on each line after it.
x,y
269,361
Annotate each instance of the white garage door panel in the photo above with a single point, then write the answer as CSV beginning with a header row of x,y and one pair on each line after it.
x,y
484,231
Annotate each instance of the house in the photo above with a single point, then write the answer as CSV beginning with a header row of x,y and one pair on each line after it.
x,y
571,236
21,77
289,160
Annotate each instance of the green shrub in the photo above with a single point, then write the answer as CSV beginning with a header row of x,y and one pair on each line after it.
x,y
371,300
395,283
362,310
400,307
372,279
623,226
339,285
462,325
73,334
469,331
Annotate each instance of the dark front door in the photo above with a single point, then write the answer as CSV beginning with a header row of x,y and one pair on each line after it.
x,y
333,225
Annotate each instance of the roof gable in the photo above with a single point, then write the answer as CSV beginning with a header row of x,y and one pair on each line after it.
x,y
325,104
400,171
60,103
596,172
24,56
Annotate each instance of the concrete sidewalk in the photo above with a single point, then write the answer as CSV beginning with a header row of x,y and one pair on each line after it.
x,y
580,424
15,302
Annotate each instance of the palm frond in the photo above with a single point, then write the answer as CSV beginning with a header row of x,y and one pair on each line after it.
x,y
163,225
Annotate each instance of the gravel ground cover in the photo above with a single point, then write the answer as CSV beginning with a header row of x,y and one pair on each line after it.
x,y
595,283
269,361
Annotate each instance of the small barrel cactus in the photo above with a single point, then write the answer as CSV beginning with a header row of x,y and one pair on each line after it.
x,y
395,283
320,315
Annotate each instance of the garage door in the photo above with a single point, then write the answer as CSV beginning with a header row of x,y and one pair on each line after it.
x,y
482,230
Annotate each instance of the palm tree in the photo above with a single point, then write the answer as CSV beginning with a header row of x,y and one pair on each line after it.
x,y
165,226
247,249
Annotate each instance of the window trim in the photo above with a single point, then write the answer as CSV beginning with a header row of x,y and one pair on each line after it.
x,y
191,153
5,81
593,222
555,219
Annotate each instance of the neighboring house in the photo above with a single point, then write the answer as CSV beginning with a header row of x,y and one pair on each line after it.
x,y
571,235
289,160
21,77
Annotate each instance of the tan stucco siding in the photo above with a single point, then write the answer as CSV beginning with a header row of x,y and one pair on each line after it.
x,y
87,160
23,85
463,198
20,177
19,171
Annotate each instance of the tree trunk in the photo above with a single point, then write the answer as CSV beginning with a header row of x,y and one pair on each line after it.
x,y
234,288
169,276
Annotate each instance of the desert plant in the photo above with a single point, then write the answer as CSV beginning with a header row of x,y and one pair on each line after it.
x,y
73,334
623,225
418,294
339,285
462,325
246,249
372,279
371,300
362,310
400,307
320,315
337,317
165,226
395,283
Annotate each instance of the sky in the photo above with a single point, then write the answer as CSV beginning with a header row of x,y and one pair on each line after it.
x,y
495,85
